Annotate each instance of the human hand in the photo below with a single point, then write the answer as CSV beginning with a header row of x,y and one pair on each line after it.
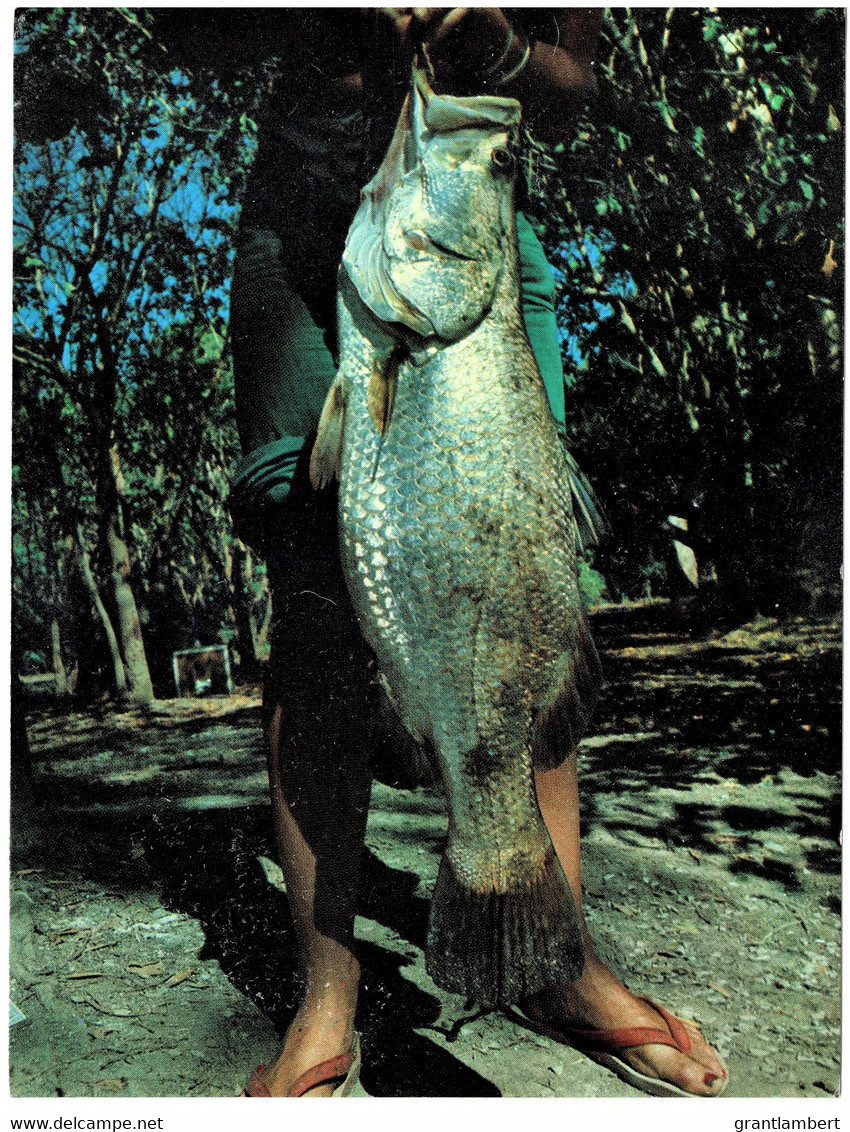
x,y
429,26
435,25
460,43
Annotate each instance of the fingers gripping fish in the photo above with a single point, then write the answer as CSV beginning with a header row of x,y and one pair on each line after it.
x,y
456,531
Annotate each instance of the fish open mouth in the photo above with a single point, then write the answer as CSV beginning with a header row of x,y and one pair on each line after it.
x,y
422,242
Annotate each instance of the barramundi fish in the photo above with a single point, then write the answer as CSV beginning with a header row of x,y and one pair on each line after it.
x,y
456,531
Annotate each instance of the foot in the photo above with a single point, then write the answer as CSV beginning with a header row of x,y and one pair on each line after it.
x,y
309,1041
599,1001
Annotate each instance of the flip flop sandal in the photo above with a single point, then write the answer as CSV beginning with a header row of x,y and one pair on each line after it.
x,y
344,1068
602,1047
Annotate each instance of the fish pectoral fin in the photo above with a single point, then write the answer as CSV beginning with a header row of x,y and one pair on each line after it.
x,y
327,450
382,387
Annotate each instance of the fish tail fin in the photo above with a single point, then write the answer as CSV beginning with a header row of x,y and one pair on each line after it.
x,y
497,947
327,449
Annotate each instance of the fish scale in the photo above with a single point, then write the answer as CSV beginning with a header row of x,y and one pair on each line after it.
x,y
457,536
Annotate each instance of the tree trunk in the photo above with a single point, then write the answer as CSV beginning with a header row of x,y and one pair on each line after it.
x,y
243,609
139,687
129,628
59,678
119,677
55,594
24,809
735,558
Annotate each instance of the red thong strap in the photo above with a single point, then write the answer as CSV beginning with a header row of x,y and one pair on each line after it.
x,y
334,1069
627,1037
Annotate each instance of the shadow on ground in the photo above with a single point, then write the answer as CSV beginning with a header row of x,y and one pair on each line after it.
x,y
205,865
752,707
678,711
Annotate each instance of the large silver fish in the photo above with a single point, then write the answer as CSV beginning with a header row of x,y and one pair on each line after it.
x,y
456,530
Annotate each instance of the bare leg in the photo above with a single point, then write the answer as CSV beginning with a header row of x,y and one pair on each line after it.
x,y
317,701
320,823
598,1000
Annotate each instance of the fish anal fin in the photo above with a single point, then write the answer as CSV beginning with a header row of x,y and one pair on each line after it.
x,y
497,947
564,720
381,390
327,450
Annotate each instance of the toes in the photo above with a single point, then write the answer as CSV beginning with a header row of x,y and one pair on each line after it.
x,y
696,1078
678,1068
703,1053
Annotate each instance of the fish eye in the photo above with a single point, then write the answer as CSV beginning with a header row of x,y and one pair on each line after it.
x,y
502,159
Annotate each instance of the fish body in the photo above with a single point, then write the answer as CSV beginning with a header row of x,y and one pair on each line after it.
x,y
457,535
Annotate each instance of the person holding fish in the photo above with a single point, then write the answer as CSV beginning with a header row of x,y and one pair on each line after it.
x,y
455,518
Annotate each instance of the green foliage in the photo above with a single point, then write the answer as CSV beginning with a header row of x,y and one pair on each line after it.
x,y
696,216
709,173
125,208
590,583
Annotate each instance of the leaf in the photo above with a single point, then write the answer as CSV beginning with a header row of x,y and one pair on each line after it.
x,y
180,977
806,189
667,116
112,1084
829,263
721,990
112,1011
657,364
85,975
627,319
148,970
761,112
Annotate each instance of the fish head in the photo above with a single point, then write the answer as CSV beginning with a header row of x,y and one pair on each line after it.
x,y
443,204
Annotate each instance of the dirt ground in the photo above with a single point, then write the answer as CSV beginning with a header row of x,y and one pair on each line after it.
x,y
152,950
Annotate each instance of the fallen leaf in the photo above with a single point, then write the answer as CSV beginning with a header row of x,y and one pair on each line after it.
x,y
721,990
85,975
697,856
111,1010
87,950
622,908
180,977
147,970
112,1084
